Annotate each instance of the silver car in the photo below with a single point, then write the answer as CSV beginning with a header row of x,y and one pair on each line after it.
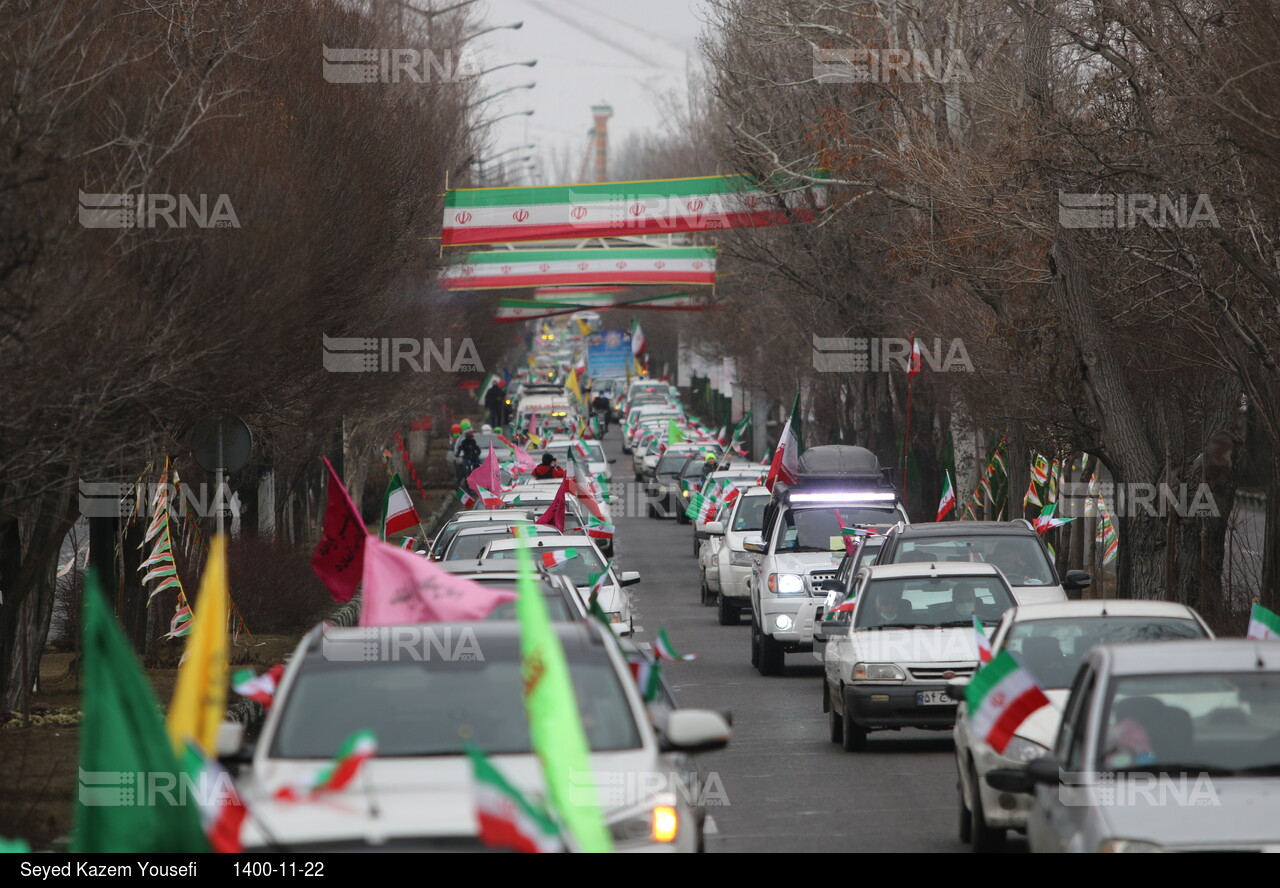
x,y
1163,747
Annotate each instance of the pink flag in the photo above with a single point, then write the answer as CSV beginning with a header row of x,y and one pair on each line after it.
x,y
554,515
401,587
339,558
488,475
524,462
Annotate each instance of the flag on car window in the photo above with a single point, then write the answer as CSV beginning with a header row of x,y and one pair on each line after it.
x,y
1000,697
558,557
984,644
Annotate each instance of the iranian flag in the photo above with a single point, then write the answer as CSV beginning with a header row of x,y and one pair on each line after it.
x,y
613,209
700,509
557,557
598,583
259,688
844,607
583,486
786,458
489,500
639,345
1264,625
948,501
222,812
512,269
1000,698
1047,521
356,750
984,643
465,498
398,514
599,530
504,817
665,650
914,366
739,429
648,679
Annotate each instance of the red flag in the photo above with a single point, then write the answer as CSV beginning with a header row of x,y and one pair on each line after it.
x,y
554,515
339,557
488,475
914,367
401,587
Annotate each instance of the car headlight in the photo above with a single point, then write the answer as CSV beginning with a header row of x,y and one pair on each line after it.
x,y
685,494
615,616
786,584
658,821
1022,750
877,672
1127,846
740,559
782,622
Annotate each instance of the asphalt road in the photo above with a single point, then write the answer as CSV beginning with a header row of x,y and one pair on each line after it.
x,y
788,788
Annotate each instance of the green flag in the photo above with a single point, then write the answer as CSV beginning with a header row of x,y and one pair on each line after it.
x,y
555,725
131,796
674,434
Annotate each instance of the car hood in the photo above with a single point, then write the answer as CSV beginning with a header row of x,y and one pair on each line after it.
x,y
953,645
1195,811
734,539
1038,594
804,562
428,797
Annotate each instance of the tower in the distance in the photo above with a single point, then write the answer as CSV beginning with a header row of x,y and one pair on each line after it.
x,y
602,113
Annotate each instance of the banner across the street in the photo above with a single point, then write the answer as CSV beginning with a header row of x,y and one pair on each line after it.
x,y
508,269
610,209
512,310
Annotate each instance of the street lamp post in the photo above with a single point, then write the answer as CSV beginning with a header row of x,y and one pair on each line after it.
x,y
489,98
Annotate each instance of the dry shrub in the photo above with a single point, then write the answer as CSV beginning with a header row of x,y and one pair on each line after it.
x,y
273,586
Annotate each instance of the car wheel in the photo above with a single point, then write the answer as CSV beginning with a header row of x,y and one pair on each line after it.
x,y
726,613
984,838
966,824
855,735
835,721
772,656
755,642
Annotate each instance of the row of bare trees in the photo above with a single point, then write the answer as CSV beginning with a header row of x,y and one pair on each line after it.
x,y
115,340
952,140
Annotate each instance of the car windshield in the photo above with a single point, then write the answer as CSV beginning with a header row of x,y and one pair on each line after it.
x,y
750,514
434,699
582,566
1020,558
1220,723
557,608
470,545
818,529
1052,649
932,601
671,463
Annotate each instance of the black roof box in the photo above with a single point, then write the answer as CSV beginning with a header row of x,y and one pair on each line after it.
x,y
839,461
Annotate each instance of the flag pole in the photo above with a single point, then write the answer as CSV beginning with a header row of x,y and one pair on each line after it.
x,y
906,438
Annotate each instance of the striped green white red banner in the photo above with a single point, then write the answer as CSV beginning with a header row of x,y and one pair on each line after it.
x,y
1000,698
512,310
506,269
611,209
1264,625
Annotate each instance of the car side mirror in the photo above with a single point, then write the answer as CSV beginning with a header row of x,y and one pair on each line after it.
x,y
1046,770
229,737
695,730
831,586
629,578
1014,780
754,544
1077,579
956,687
831,628
714,528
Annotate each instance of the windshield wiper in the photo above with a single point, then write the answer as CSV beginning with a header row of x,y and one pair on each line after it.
x,y
953,623
791,549
894,626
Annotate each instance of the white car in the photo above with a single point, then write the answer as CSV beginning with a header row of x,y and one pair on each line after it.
x,y
798,551
583,568
418,792
469,541
1050,640
911,631
743,479
470,517
596,462
1169,747
724,563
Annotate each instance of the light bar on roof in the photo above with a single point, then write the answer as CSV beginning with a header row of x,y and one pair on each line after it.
x,y
847,496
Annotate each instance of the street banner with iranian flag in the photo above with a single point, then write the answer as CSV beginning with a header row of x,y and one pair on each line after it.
x,y
402,587
613,209
339,556
1000,698
1264,625
504,817
398,514
786,458
510,269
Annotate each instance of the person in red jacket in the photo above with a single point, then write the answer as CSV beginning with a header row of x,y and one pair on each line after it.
x,y
548,469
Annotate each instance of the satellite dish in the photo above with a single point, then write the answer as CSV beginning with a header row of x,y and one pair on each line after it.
x,y
221,442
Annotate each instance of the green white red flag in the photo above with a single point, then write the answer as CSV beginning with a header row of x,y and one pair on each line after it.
x,y
786,458
665,650
356,750
1264,625
948,501
222,811
504,817
648,679
513,269
259,688
613,209
984,643
1000,697
557,557
398,514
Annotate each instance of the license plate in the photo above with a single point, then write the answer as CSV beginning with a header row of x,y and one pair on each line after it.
x,y
933,698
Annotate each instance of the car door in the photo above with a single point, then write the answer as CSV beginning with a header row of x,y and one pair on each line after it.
x,y
1058,814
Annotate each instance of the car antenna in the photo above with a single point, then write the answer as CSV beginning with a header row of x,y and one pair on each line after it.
x,y
1257,652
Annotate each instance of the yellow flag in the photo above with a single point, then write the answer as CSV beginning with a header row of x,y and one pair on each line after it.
x,y
572,385
200,697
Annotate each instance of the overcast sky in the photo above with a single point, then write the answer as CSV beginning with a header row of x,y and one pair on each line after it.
x,y
629,54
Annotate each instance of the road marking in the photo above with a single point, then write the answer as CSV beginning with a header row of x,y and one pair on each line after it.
x,y
709,827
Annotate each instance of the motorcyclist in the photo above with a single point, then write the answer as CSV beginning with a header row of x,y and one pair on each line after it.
x,y
601,407
468,452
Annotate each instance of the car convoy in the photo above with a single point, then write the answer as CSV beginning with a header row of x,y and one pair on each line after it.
x,y
902,616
